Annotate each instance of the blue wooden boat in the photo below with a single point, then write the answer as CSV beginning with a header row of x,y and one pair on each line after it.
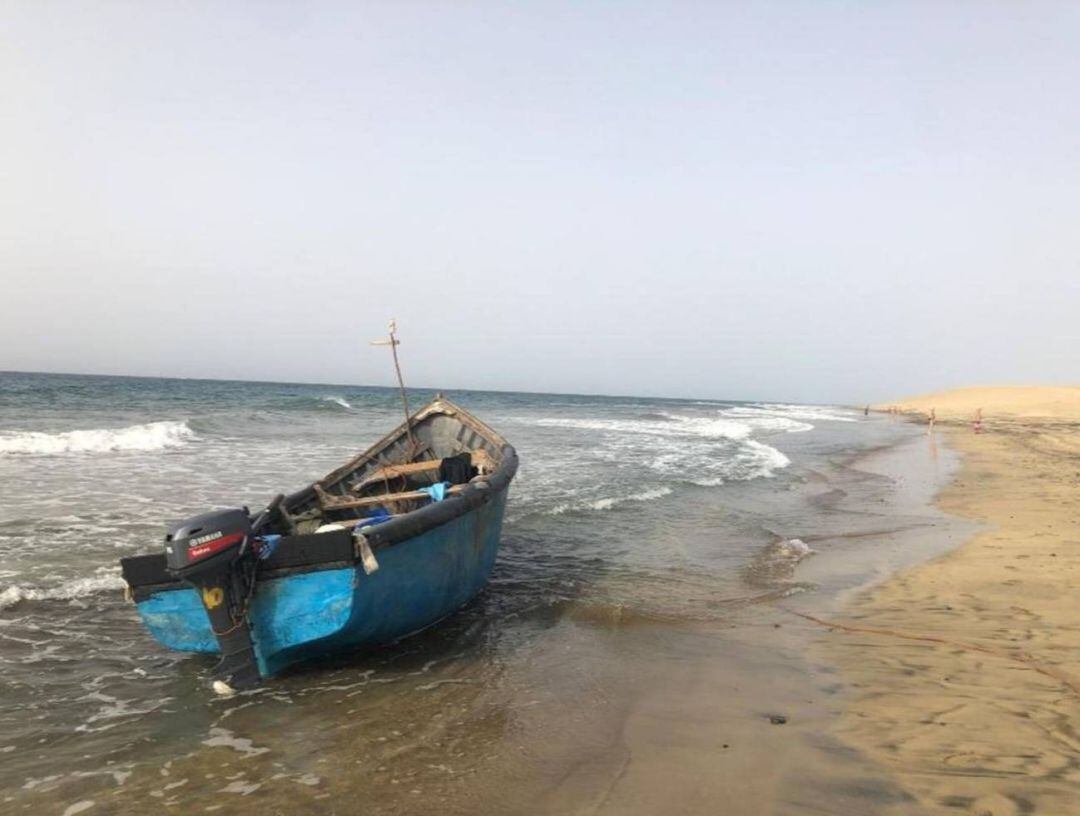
x,y
389,543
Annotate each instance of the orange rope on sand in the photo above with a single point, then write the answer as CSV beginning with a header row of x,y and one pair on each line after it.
x,y
1069,683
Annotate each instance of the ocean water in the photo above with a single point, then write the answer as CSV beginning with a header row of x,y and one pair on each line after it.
x,y
627,514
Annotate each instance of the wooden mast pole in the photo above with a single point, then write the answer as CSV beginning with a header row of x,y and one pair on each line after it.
x,y
393,342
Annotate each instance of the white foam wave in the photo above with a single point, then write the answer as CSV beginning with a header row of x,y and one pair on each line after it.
x,y
707,450
68,591
608,503
672,425
224,738
761,420
811,413
753,461
112,710
795,548
149,437
344,403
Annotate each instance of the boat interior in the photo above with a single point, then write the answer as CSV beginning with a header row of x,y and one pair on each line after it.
x,y
435,455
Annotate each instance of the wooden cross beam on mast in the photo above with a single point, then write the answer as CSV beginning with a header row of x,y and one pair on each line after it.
x,y
393,342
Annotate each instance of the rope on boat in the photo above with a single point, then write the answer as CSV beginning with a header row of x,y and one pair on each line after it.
x,y
1024,659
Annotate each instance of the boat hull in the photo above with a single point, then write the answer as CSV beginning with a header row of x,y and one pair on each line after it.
x,y
293,618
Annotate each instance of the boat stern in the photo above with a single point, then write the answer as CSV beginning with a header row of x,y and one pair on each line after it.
x,y
287,614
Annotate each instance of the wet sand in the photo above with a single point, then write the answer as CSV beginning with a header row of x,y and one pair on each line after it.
x,y
969,698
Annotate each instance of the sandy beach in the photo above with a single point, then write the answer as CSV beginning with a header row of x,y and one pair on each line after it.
x,y
821,640
966,669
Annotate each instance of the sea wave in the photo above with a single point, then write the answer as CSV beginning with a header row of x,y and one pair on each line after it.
x,y
811,413
667,425
753,460
761,420
335,400
609,502
148,437
729,423
105,581
322,403
706,450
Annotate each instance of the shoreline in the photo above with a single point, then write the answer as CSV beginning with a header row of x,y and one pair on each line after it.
x,y
718,742
963,671
634,715
914,529
759,707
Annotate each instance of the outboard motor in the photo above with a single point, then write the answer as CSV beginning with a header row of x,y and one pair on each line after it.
x,y
214,553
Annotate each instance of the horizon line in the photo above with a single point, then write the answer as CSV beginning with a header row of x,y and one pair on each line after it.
x,y
395,387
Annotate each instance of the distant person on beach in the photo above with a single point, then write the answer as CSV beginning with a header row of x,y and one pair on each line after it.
x,y
977,425
933,419
866,411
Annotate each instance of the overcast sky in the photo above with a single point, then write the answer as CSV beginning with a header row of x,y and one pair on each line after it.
x,y
829,202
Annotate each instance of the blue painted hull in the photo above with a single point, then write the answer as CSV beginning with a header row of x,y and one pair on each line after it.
x,y
295,617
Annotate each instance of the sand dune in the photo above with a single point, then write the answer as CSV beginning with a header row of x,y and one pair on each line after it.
x,y
1045,402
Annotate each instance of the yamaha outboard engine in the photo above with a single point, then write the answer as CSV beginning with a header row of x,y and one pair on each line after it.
x,y
214,553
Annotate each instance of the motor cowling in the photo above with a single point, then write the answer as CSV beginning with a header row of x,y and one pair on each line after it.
x,y
197,544
213,553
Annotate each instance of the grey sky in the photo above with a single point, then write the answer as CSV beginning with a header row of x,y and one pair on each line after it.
x,y
835,201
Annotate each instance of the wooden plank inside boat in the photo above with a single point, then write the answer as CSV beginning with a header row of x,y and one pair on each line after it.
x,y
331,502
